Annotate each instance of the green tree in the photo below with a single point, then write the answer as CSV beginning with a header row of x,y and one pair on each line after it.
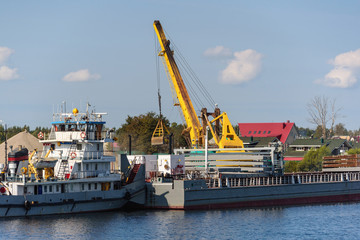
x,y
312,161
141,128
340,130
291,166
354,151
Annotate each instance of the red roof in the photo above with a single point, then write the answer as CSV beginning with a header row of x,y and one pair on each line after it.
x,y
279,130
293,158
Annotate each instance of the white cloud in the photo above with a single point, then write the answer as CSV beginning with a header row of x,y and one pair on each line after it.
x,y
345,72
243,67
5,54
80,76
218,51
7,73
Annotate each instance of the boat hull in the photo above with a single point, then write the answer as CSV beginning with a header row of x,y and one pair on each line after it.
x,y
178,195
62,203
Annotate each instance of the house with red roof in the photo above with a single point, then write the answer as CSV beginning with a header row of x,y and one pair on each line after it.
x,y
286,131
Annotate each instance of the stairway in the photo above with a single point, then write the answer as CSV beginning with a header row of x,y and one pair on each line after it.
x,y
133,173
64,164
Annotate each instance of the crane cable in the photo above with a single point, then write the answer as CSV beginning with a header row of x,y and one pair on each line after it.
x,y
190,72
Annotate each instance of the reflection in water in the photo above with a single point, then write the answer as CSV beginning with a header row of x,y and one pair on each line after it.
x,y
309,222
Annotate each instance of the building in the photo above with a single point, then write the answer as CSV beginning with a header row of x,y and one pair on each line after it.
x,y
25,139
297,150
258,141
286,132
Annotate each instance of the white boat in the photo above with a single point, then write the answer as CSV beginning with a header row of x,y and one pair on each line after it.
x,y
71,174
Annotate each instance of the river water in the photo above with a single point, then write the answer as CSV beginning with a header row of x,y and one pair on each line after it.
x,y
335,221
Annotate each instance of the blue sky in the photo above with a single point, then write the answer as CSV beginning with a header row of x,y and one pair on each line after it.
x,y
262,61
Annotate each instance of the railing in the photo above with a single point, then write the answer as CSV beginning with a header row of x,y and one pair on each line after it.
x,y
300,178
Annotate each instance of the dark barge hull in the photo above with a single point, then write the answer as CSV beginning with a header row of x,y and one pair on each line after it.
x,y
194,194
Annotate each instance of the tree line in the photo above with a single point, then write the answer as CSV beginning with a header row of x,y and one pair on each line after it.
x,y
12,131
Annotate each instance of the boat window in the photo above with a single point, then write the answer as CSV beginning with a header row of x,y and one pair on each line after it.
x,y
95,186
72,187
82,187
78,146
53,146
25,189
96,167
57,188
269,132
98,147
249,132
259,132
50,188
264,132
89,186
254,132
87,167
45,189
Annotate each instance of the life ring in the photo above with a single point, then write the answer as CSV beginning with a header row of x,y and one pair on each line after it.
x,y
73,155
23,170
27,205
83,135
40,135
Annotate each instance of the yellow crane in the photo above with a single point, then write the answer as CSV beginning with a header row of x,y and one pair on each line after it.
x,y
222,131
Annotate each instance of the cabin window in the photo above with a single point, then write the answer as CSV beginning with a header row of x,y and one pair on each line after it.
x,y
96,167
89,186
52,146
259,132
249,132
72,187
82,187
269,132
50,188
254,132
87,167
78,146
98,147
25,189
95,186
264,132
45,189
57,188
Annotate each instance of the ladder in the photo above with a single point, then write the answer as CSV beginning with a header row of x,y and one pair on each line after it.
x,y
64,163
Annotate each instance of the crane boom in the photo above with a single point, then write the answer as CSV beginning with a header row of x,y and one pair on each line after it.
x,y
227,138
191,118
